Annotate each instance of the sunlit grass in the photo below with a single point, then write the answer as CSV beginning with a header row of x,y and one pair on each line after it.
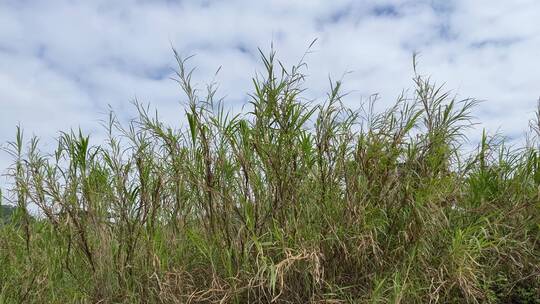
x,y
288,202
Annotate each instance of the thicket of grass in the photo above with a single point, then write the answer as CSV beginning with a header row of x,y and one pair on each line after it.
x,y
290,202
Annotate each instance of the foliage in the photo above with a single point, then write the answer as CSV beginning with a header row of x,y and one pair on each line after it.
x,y
5,213
290,202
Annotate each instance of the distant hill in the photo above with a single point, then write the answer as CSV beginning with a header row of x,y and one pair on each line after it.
x,y
5,213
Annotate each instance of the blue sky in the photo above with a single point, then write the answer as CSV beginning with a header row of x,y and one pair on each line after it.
x,y
62,62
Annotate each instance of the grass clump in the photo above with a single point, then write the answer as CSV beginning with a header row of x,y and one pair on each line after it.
x,y
291,202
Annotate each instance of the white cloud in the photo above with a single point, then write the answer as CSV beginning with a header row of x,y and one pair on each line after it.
x,y
63,62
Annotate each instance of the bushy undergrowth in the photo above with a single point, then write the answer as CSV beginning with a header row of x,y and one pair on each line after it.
x,y
289,202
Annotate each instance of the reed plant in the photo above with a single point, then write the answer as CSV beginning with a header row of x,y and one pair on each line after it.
x,y
288,202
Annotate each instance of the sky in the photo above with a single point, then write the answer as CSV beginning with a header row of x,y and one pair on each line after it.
x,y
64,63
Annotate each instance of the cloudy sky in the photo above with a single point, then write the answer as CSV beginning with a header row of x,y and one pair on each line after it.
x,y
62,62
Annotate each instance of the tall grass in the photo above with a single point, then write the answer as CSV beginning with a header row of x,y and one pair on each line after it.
x,y
289,202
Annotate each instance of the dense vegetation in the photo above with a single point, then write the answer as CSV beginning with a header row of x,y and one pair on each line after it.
x,y
290,202
5,213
